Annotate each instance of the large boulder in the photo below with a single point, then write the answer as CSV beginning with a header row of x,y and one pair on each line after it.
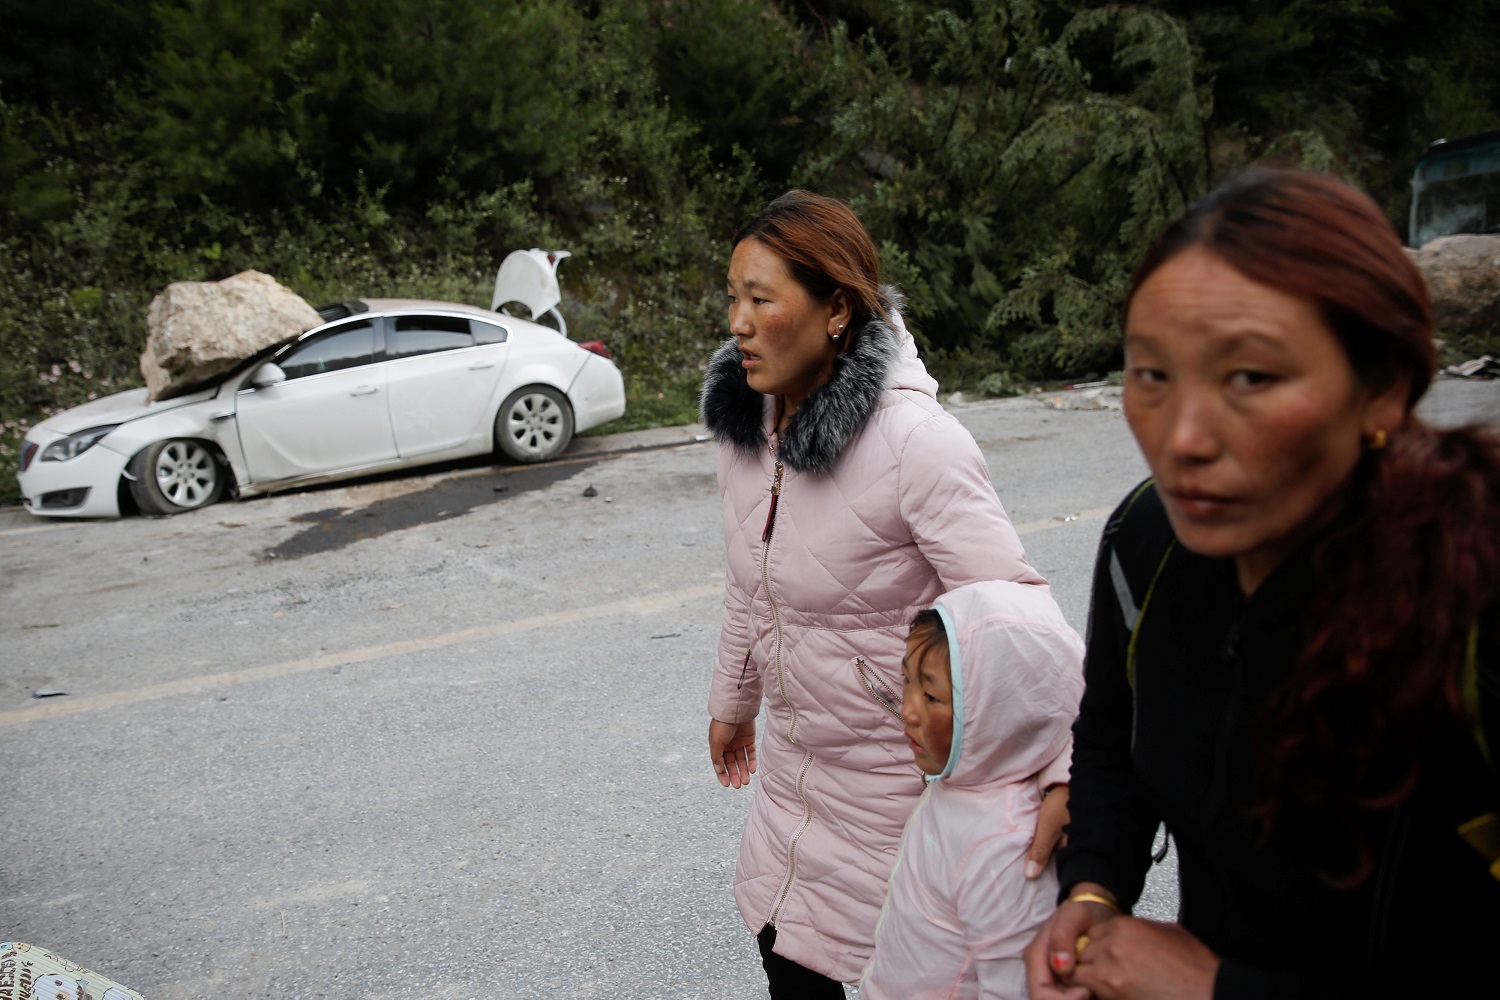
x,y
1463,274
199,329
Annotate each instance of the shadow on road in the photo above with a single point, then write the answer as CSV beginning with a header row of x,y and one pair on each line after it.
x,y
335,528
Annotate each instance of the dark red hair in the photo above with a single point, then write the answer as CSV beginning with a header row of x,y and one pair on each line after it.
x,y
825,247
1315,237
1415,561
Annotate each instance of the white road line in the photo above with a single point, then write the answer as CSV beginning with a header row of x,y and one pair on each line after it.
x,y
34,528
367,654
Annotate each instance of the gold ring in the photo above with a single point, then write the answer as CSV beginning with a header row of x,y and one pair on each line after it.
x,y
1080,944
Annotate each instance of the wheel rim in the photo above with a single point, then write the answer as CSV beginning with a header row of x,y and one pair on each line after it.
x,y
534,424
186,473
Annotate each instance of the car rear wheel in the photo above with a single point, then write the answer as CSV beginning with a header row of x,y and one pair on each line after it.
x,y
174,476
534,424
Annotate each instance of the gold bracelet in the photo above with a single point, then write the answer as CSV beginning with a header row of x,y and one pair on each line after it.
x,y
1093,897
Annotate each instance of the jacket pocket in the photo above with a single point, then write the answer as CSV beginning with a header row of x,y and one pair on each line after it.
x,y
877,688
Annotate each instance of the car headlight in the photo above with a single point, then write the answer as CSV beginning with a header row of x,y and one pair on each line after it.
x,y
75,444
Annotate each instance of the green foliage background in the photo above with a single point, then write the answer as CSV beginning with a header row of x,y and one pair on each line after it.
x,y
1011,157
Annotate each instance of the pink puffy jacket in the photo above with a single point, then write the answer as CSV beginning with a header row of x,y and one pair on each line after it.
x,y
873,503
960,910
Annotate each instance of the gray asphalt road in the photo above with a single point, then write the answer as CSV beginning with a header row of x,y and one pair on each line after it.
x,y
427,736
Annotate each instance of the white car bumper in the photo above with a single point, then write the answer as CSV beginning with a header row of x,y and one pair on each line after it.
x,y
84,486
597,394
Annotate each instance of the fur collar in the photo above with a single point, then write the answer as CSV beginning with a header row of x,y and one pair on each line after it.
x,y
824,423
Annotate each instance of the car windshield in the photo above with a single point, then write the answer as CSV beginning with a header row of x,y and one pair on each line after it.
x,y
1456,188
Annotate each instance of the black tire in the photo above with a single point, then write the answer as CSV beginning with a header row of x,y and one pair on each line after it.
x,y
176,475
535,423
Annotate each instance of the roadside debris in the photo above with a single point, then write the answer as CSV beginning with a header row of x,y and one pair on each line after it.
x,y
1102,398
591,492
1484,367
47,693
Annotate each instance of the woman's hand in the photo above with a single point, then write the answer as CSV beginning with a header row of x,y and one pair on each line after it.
x,y
1049,830
1134,959
731,746
1052,957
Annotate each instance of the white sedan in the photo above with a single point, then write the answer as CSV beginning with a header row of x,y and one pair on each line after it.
x,y
391,384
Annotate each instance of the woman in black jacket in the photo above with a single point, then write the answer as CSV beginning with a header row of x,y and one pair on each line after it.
x,y
1293,639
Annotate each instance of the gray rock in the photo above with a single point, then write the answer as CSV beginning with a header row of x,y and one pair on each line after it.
x,y
1463,274
199,329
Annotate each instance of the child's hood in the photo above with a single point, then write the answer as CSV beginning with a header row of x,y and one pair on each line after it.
x,y
1017,671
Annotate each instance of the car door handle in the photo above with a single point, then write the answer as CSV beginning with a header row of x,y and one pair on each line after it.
x,y
481,366
363,390
218,417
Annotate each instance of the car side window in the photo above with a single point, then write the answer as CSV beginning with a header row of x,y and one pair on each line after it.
x,y
413,335
348,347
488,333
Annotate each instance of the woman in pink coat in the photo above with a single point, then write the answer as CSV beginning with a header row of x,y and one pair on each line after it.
x,y
851,500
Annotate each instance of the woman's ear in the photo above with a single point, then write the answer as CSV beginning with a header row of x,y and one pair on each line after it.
x,y
1386,410
841,315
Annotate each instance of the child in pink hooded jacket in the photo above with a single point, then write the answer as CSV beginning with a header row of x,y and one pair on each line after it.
x,y
993,678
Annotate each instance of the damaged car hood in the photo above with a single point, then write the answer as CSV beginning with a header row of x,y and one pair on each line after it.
x,y
116,409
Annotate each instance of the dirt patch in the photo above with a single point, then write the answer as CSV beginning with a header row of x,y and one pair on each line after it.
x,y
336,527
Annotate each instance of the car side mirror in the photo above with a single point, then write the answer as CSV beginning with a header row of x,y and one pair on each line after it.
x,y
267,375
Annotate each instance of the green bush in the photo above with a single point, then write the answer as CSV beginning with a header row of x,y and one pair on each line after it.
x,y
1012,158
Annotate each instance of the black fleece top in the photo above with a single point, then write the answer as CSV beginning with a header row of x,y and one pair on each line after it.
x,y
1178,746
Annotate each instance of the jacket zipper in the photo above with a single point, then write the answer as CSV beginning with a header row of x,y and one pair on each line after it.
x,y
1229,657
791,734
791,854
1391,853
884,697
765,533
765,579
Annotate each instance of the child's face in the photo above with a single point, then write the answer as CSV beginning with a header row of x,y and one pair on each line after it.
x,y
927,704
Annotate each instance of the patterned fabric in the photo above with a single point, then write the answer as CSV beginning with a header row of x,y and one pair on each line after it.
x,y
31,973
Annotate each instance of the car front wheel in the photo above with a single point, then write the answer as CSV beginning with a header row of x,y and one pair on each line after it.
x,y
534,424
174,476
